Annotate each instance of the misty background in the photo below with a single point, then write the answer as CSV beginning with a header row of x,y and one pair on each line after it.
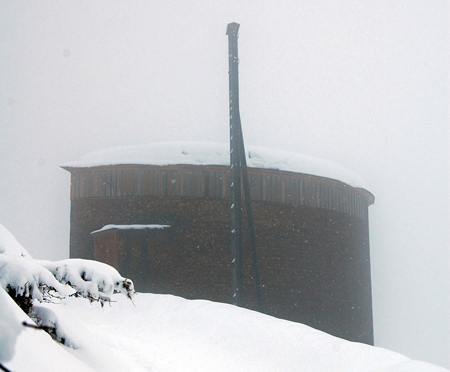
x,y
362,83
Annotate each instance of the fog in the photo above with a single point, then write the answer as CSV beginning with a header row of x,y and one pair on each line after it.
x,y
364,84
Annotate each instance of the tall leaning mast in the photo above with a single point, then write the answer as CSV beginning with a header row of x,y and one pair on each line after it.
x,y
239,182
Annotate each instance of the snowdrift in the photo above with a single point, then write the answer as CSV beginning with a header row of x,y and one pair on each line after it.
x,y
163,333
168,333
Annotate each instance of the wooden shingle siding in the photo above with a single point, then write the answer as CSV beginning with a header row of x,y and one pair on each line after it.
x,y
212,182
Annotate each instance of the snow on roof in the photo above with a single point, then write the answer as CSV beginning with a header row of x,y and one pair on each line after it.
x,y
206,153
129,227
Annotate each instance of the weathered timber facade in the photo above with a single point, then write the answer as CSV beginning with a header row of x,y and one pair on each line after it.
x,y
312,234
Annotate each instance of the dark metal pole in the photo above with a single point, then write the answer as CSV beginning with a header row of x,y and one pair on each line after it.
x,y
236,207
239,169
251,225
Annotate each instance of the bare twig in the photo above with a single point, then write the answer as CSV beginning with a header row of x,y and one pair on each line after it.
x,y
3,368
44,328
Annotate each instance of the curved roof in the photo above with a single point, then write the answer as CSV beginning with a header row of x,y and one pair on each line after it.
x,y
206,153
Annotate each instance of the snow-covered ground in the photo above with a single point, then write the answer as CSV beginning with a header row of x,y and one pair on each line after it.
x,y
168,333
164,333
207,153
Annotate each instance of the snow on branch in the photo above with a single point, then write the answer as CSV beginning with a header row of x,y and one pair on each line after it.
x,y
90,279
23,278
26,279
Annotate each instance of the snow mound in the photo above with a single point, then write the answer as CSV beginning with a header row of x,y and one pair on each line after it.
x,y
25,349
206,153
9,244
164,333
161,332
10,327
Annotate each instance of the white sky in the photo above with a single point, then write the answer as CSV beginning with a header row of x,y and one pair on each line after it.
x,y
361,83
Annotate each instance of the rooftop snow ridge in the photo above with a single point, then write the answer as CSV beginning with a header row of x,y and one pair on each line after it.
x,y
208,153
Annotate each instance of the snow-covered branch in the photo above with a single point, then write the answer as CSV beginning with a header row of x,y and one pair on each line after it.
x,y
90,279
27,280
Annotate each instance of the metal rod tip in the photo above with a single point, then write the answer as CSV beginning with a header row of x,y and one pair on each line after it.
x,y
232,28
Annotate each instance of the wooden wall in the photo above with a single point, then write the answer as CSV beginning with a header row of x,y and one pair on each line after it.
x,y
315,262
213,182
